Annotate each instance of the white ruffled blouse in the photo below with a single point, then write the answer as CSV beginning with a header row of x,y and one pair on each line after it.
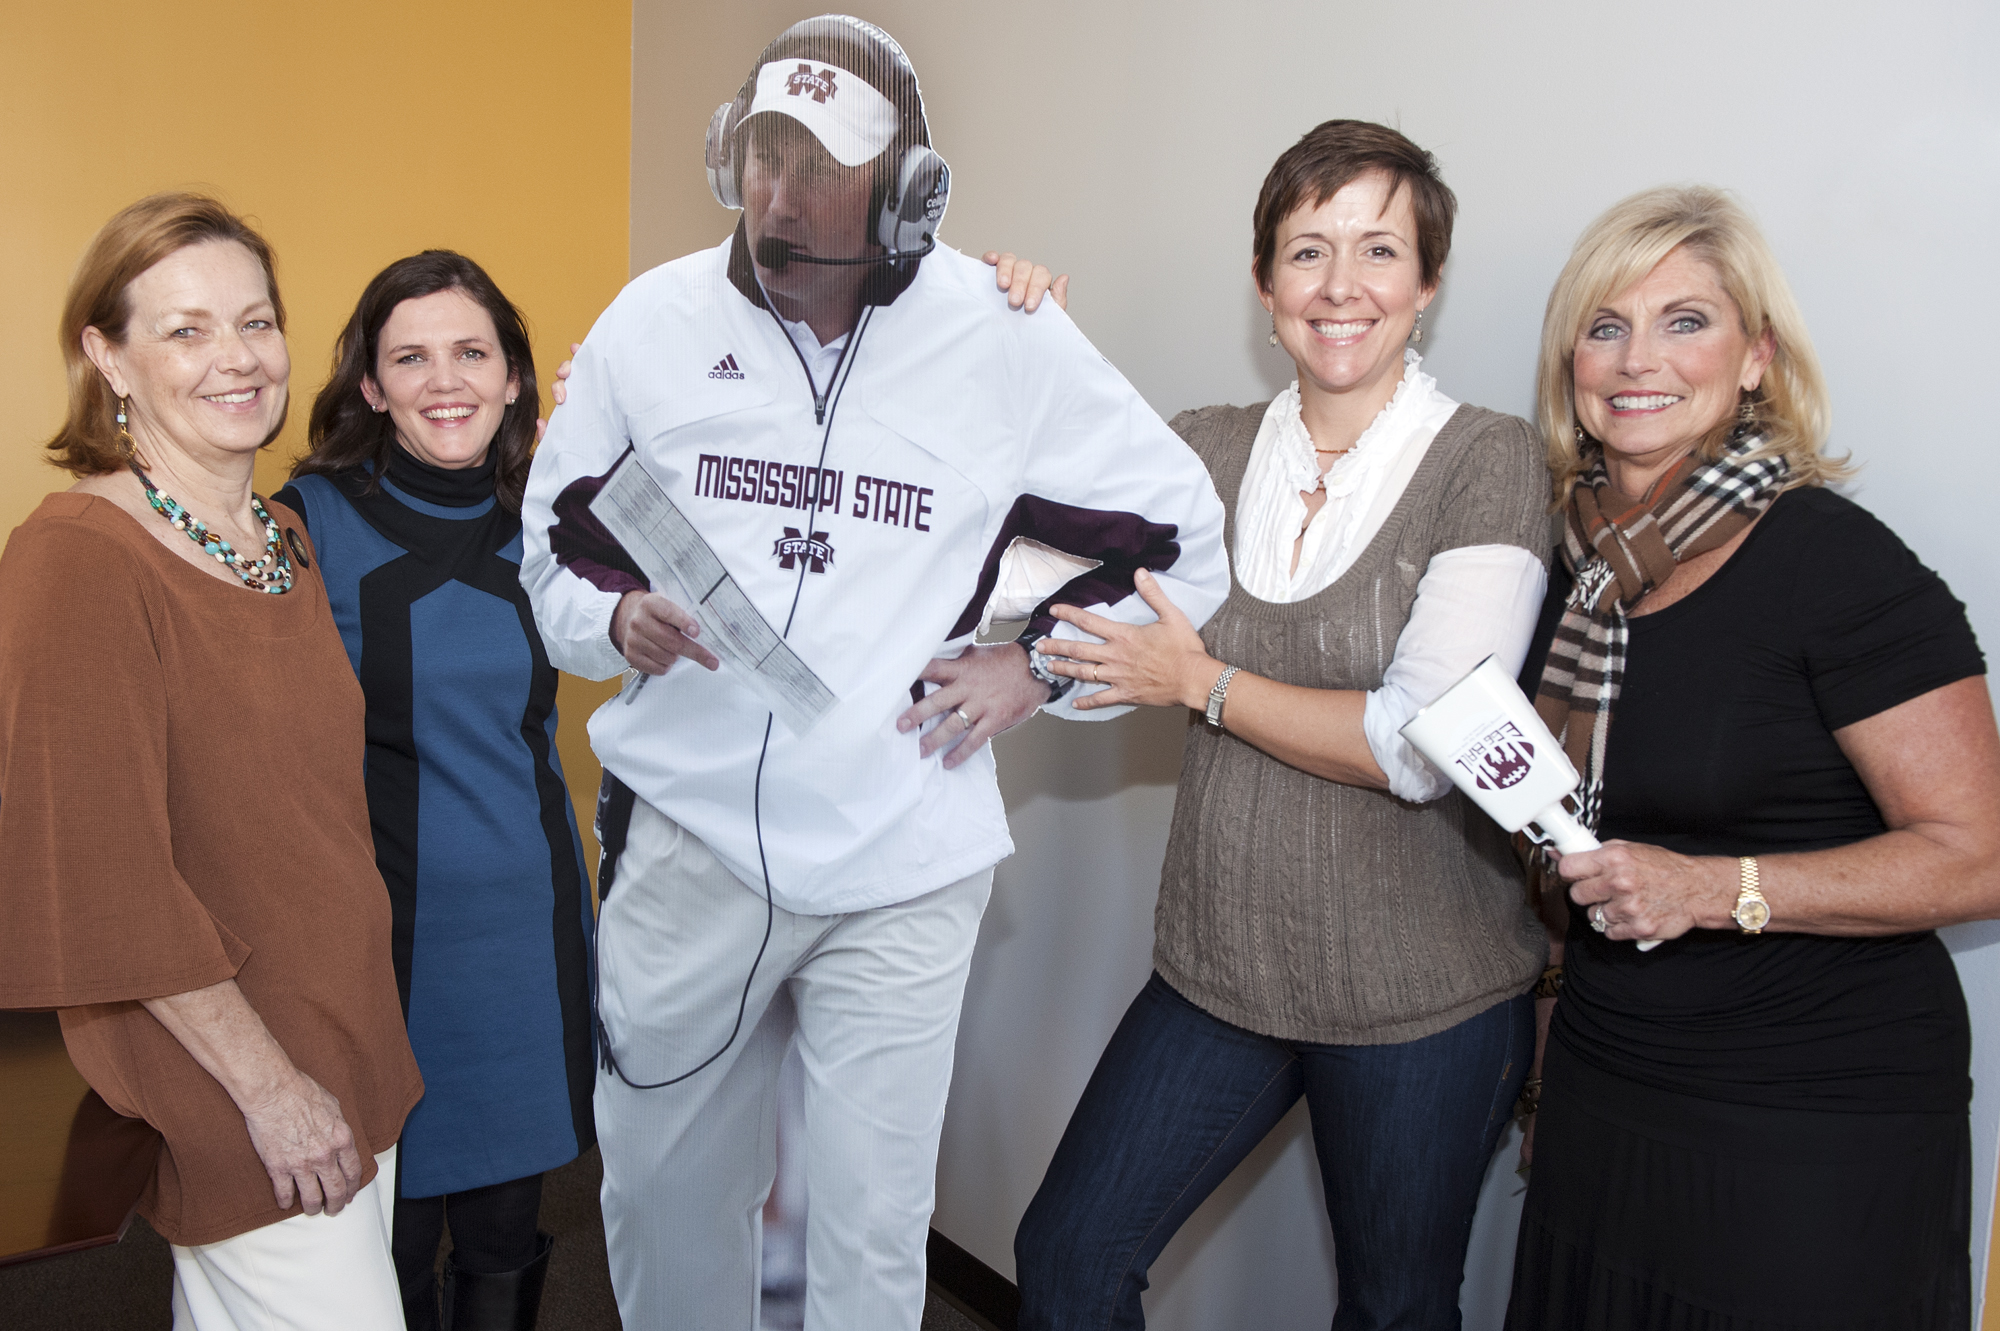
x,y
1472,601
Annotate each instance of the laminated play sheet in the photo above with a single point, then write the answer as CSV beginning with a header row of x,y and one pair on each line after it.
x,y
682,567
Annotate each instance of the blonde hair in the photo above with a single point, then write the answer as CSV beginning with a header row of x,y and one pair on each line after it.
x,y
138,237
1628,242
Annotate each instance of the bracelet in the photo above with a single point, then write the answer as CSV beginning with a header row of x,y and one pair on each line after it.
x,y
1216,696
1551,983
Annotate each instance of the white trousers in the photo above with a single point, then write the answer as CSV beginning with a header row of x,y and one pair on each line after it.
x,y
305,1273
872,998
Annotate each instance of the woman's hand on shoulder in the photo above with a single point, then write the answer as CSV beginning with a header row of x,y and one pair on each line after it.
x,y
559,390
1026,281
306,1147
1647,892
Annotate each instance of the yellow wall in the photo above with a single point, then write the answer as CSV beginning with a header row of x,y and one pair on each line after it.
x,y
352,134
1990,1319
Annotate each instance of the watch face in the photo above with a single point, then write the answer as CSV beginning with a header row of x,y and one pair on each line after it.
x,y
1752,914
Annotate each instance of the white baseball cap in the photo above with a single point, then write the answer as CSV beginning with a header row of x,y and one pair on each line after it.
x,y
843,110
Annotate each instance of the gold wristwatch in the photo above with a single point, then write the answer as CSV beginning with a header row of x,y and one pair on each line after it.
x,y
1752,912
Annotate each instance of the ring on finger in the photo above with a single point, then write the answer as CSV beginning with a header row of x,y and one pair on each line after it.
x,y
1597,920
963,717
1096,675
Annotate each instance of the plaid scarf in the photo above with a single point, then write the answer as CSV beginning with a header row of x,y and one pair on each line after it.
x,y
1618,550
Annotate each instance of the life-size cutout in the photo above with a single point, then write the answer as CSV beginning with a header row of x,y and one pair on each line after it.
x,y
823,445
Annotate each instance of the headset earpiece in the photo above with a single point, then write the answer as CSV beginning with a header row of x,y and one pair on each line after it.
x,y
725,181
915,202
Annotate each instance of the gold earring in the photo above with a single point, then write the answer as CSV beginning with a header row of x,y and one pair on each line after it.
x,y
125,440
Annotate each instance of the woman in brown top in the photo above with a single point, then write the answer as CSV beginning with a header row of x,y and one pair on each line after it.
x,y
190,877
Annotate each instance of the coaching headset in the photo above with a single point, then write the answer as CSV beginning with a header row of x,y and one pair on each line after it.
x,y
908,199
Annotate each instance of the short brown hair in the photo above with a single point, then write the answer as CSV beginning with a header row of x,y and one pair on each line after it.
x,y
134,240
1335,154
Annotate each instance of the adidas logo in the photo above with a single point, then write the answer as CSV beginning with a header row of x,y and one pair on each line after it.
x,y
726,369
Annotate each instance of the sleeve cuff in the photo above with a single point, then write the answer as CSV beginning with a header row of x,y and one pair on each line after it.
x,y
1411,777
604,654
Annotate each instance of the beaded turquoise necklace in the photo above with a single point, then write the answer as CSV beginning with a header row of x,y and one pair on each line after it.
x,y
272,573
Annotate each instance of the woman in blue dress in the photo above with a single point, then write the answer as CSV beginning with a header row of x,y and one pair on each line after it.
x,y
419,449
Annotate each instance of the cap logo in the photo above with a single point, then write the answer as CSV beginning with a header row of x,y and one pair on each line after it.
x,y
803,82
852,120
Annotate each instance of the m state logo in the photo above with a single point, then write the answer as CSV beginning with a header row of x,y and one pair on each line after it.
x,y
1498,759
795,545
804,81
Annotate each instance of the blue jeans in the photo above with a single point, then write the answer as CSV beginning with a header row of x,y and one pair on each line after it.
x,y
1403,1132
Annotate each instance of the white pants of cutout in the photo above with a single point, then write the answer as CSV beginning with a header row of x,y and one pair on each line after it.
x,y
305,1273
872,998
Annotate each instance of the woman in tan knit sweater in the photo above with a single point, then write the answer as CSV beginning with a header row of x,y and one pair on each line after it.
x,y
1334,921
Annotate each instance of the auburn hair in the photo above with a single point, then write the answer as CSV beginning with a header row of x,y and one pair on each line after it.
x,y
99,297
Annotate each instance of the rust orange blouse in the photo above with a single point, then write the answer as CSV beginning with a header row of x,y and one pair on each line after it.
x,y
181,802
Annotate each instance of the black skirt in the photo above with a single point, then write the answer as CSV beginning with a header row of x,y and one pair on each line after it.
x,y
1651,1211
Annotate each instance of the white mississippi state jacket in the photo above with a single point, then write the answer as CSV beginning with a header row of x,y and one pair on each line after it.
x,y
954,427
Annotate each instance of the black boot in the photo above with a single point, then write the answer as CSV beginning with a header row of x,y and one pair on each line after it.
x,y
420,1304
474,1301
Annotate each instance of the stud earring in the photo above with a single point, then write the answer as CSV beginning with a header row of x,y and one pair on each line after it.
x,y
1417,331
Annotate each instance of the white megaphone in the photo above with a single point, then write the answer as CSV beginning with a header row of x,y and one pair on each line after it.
x,y
1483,734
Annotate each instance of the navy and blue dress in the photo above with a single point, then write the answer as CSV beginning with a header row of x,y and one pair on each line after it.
x,y
474,833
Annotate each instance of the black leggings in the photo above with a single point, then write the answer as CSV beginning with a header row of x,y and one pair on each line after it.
x,y
492,1232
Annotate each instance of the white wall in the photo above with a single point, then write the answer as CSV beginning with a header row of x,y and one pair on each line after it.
x,y
1125,143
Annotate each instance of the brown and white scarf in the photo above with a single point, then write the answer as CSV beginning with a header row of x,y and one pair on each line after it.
x,y
1617,550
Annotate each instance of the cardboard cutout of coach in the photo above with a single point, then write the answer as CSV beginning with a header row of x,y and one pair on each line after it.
x,y
860,432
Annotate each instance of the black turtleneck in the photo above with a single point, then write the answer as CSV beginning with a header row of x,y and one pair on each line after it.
x,y
452,487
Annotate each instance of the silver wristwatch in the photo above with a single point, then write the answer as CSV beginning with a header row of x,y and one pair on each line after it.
x,y
1216,696
1038,665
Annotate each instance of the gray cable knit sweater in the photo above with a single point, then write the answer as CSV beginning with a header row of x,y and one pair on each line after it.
x,y
1305,909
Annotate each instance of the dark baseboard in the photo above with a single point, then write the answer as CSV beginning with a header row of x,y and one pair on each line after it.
x,y
989,1299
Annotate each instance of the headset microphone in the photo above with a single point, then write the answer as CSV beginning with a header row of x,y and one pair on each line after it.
x,y
775,254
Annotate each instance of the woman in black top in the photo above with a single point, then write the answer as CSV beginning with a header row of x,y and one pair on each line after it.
x,y
1790,754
